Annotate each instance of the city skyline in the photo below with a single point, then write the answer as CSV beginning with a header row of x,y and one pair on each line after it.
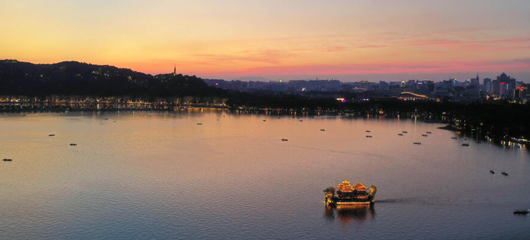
x,y
346,40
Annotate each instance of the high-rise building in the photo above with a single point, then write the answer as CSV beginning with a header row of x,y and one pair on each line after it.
x,y
487,85
504,86
475,81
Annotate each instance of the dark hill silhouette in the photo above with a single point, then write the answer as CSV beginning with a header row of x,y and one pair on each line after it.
x,y
75,78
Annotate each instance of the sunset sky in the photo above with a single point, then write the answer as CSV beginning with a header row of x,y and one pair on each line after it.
x,y
350,40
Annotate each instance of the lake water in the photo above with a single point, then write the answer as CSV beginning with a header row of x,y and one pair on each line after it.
x,y
155,175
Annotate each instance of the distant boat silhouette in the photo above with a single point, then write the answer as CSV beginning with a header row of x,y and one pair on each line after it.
x,y
73,144
492,172
285,139
524,211
504,173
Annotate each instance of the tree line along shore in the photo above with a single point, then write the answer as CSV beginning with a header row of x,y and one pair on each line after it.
x,y
77,86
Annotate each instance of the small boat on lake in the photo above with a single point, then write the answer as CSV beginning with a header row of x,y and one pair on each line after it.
x,y
417,143
347,194
7,160
199,124
51,135
454,138
285,139
322,130
429,132
465,144
73,144
368,136
504,173
367,131
424,135
523,211
492,172
400,134
404,132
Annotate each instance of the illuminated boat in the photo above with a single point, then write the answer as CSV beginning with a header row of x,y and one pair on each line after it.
x,y
346,194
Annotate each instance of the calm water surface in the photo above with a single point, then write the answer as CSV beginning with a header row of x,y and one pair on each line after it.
x,y
161,176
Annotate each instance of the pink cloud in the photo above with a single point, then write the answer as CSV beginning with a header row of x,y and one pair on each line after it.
x,y
397,68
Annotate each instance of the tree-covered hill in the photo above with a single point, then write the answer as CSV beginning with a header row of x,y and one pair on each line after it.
x,y
75,78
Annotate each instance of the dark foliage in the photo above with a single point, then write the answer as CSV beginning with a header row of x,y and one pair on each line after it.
x,y
74,78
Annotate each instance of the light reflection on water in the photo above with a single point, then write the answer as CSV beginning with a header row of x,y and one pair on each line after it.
x,y
160,175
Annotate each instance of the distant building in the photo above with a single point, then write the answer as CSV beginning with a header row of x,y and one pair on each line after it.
x,y
487,85
475,81
449,84
425,86
411,83
383,85
504,86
